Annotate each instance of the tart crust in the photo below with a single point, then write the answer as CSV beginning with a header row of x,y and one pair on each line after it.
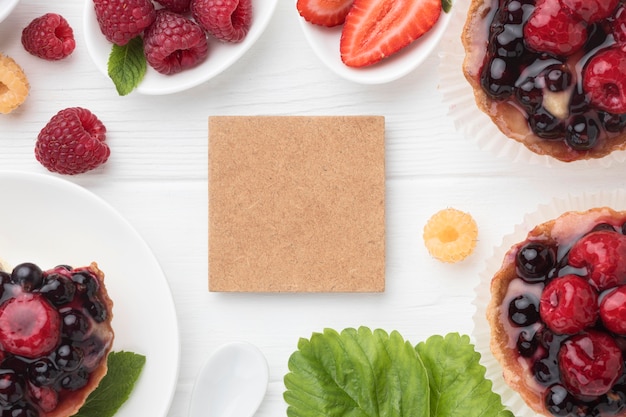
x,y
509,119
562,231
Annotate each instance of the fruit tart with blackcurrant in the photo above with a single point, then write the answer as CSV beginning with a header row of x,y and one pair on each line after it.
x,y
55,337
551,74
558,315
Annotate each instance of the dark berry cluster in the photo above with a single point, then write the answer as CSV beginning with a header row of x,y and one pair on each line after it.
x,y
517,72
50,336
570,320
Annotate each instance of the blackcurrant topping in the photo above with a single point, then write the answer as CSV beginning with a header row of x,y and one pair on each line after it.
x,y
523,310
534,261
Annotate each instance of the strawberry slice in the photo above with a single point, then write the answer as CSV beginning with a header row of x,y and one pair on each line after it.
x,y
324,12
375,29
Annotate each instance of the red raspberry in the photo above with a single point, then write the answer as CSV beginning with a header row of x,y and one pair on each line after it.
x,y
590,363
122,20
591,11
604,80
176,6
554,29
72,142
174,43
49,37
226,20
29,325
568,305
613,310
603,253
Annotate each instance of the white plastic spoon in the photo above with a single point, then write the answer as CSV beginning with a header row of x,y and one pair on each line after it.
x,y
232,382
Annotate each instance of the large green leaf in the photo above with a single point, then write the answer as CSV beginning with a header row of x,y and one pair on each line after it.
x,y
356,373
458,386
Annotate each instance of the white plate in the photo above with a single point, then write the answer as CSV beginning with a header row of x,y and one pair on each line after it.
x,y
221,55
6,7
51,221
325,44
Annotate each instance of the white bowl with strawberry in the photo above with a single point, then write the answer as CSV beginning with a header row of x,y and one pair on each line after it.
x,y
175,70
398,35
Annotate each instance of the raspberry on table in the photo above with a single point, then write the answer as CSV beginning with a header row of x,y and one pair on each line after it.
x,y
72,142
14,85
174,43
450,235
122,20
49,37
226,20
176,6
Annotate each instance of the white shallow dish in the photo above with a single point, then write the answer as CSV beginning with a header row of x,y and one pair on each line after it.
x,y
221,55
325,43
51,221
6,7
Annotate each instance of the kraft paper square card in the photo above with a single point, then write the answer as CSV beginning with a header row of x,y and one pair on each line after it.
x,y
297,203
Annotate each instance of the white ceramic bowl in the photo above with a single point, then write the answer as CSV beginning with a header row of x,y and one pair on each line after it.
x,y
221,55
6,7
325,44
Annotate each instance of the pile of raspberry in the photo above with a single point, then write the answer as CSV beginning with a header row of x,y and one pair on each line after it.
x,y
174,31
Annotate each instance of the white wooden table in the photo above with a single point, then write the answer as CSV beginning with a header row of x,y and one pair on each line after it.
x,y
157,179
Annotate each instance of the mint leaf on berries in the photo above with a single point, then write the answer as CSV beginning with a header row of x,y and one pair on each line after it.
x,y
127,65
124,369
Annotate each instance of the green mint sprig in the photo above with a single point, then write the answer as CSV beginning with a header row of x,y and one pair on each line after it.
x,y
124,369
127,65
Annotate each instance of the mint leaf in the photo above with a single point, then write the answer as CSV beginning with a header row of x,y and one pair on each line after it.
x,y
356,373
446,5
457,380
127,65
115,387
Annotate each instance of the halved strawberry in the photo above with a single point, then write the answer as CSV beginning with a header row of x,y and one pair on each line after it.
x,y
375,29
324,12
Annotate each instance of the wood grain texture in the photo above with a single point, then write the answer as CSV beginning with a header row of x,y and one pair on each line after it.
x,y
157,178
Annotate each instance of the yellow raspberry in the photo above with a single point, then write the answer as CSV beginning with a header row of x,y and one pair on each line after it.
x,y
450,235
14,85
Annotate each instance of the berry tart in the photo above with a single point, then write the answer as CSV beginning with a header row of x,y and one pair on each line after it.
x,y
551,74
557,315
55,337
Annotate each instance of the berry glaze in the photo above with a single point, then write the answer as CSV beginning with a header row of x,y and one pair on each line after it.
x,y
558,329
538,69
55,336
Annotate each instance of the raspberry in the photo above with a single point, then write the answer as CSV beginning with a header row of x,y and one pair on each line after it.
x,y
49,37
613,310
604,80
554,29
176,6
174,43
450,235
590,363
603,254
72,142
226,20
591,11
14,85
122,20
29,325
568,305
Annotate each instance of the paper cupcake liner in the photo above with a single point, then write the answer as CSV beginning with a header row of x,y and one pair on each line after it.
x,y
482,333
458,96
